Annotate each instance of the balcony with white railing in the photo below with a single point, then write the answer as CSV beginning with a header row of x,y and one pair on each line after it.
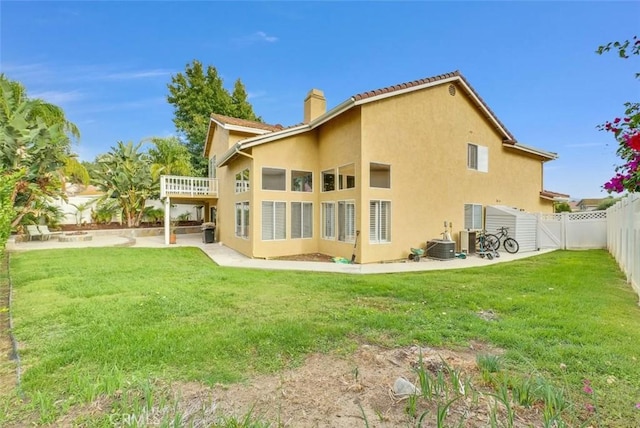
x,y
188,187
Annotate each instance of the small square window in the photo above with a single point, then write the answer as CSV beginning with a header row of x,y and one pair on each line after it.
x,y
380,175
301,181
329,180
347,177
274,179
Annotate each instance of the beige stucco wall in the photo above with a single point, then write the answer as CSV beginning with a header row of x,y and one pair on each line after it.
x,y
423,135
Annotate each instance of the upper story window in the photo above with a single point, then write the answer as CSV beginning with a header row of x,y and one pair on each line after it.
x,y
478,157
242,181
301,181
347,177
274,179
380,175
329,180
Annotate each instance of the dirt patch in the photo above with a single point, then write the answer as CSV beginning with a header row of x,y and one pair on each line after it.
x,y
7,366
311,257
335,391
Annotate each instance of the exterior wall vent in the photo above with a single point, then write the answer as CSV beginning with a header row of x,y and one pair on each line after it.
x,y
452,90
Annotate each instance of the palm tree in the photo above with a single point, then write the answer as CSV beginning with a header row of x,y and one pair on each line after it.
x,y
169,157
124,174
35,138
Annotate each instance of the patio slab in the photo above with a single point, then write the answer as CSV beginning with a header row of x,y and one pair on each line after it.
x,y
225,256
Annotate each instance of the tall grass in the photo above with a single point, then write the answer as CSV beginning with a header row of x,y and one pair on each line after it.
x,y
92,321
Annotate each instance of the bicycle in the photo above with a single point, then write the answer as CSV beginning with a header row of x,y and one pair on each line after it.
x,y
510,244
485,244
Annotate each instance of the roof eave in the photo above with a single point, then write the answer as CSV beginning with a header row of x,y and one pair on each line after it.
x,y
545,155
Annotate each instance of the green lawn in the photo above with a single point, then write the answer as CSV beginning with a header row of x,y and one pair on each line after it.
x,y
92,321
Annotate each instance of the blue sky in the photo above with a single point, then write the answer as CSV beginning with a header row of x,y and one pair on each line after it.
x,y
108,63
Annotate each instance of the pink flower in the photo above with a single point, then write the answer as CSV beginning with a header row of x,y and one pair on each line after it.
x,y
590,408
637,405
634,142
587,386
616,120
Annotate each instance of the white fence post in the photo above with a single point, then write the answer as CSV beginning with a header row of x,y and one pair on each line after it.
x,y
623,237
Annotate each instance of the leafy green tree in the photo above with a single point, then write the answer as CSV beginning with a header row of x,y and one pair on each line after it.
x,y
7,212
240,106
35,139
75,171
608,202
197,93
561,207
169,157
124,174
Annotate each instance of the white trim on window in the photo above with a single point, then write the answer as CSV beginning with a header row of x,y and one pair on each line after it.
x,y
346,221
477,157
242,180
328,212
301,220
380,175
274,179
379,222
242,215
473,216
274,220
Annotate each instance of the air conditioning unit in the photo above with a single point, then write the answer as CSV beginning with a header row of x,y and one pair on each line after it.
x,y
441,249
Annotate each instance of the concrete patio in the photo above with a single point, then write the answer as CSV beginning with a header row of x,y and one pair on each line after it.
x,y
225,256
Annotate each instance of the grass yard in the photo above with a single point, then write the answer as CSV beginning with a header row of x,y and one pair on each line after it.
x,y
96,323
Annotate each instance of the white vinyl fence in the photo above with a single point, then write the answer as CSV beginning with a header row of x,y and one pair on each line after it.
x,y
573,231
623,232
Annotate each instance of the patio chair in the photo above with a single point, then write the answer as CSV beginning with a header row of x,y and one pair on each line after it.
x,y
45,233
33,232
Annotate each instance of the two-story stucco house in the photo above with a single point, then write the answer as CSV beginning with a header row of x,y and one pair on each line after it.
x,y
388,166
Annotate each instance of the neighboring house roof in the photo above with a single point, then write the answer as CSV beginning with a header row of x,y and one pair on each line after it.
x,y
592,202
553,196
378,94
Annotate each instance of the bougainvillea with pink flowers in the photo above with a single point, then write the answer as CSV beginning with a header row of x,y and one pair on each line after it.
x,y
626,130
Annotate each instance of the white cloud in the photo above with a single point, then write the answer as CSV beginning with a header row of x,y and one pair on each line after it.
x,y
256,94
58,97
582,145
263,36
141,74
257,37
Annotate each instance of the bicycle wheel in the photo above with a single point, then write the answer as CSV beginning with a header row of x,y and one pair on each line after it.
x,y
492,242
511,245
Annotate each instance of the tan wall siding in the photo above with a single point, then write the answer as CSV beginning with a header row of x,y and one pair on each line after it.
x,y
424,136
226,205
299,153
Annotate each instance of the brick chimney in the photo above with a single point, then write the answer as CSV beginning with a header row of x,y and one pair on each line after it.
x,y
314,105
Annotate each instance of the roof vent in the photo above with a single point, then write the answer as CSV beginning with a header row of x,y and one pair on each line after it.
x,y
452,90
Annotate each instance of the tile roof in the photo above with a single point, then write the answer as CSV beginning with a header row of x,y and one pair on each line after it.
x,y
246,123
433,79
550,194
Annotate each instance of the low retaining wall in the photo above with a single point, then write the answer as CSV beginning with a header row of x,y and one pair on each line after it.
x,y
127,233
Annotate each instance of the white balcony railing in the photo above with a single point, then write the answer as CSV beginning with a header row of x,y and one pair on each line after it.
x,y
173,185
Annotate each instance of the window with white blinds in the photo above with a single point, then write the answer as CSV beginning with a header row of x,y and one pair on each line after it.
x,y
301,220
472,216
274,221
346,221
478,157
242,219
379,221
328,220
